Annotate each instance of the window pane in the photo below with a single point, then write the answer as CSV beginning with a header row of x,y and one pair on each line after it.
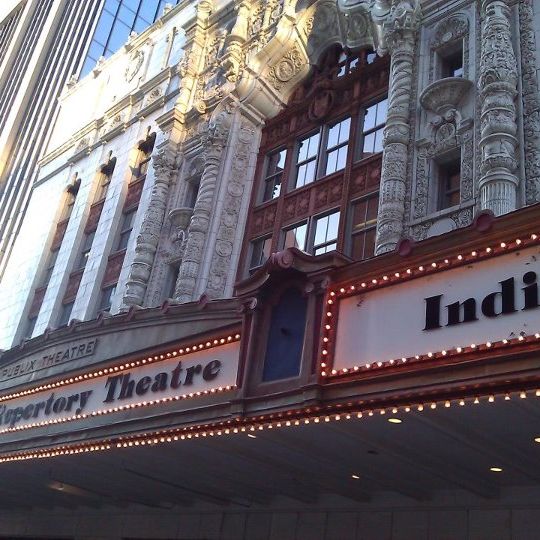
x,y
272,187
332,162
382,109
107,295
148,10
103,28
308,147
276,162
296,237
260,252
320,230
370,118
325,249
65,314
333,225
339,133
306,174
378,146
118,37
369,143
373,208
126,15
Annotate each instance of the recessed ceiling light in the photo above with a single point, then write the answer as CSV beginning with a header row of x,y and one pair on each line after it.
x,y
252,436
495,469
537,439
355,476
394,420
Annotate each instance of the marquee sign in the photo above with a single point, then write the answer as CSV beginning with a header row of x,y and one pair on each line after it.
x,y
51,357
490,300
173,376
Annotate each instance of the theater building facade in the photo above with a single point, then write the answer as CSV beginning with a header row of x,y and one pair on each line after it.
x,y
278,279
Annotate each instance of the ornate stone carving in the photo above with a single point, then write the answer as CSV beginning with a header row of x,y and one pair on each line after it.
x,y
220,268
286,68
531,102
165,165
400,37
135,64
449,30
214,140
445,94
498,89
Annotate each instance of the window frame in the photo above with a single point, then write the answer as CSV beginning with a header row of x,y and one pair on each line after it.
x,y
254,268
363,133
101,306
368,225
311,231
65,317
266,177
443,193
123,231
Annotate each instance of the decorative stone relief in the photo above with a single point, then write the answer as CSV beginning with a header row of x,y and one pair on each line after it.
x,y
220,267
214,141
286,68
531,102
400,37
165,166
135,64
446,33
498,89
449,30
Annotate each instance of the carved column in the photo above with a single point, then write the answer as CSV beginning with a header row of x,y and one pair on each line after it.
x,y
531,101
213,145
498,89
400,36
194,58
165,168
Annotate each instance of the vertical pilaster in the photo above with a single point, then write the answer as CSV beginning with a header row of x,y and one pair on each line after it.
x,y
400,37
165,167
214,142
498,89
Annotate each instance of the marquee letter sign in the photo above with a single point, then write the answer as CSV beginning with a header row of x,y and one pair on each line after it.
x,y
190,375
490,300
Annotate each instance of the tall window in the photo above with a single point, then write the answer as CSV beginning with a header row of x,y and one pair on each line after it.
x,y
364,221
125,228
326,233
319,157
143,159
105,176
260,251
39,292
273,174
115,260
449,173
117,20
373,127
306,160
296,237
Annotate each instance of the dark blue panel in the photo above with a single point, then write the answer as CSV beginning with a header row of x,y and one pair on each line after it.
x,y
286,337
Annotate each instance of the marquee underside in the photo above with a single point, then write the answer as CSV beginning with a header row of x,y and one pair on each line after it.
x,y
417,461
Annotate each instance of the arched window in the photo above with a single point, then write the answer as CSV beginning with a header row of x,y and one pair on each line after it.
x,y
318,169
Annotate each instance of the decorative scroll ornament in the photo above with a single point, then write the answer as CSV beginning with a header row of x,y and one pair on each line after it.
x,y
135,64
289,66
